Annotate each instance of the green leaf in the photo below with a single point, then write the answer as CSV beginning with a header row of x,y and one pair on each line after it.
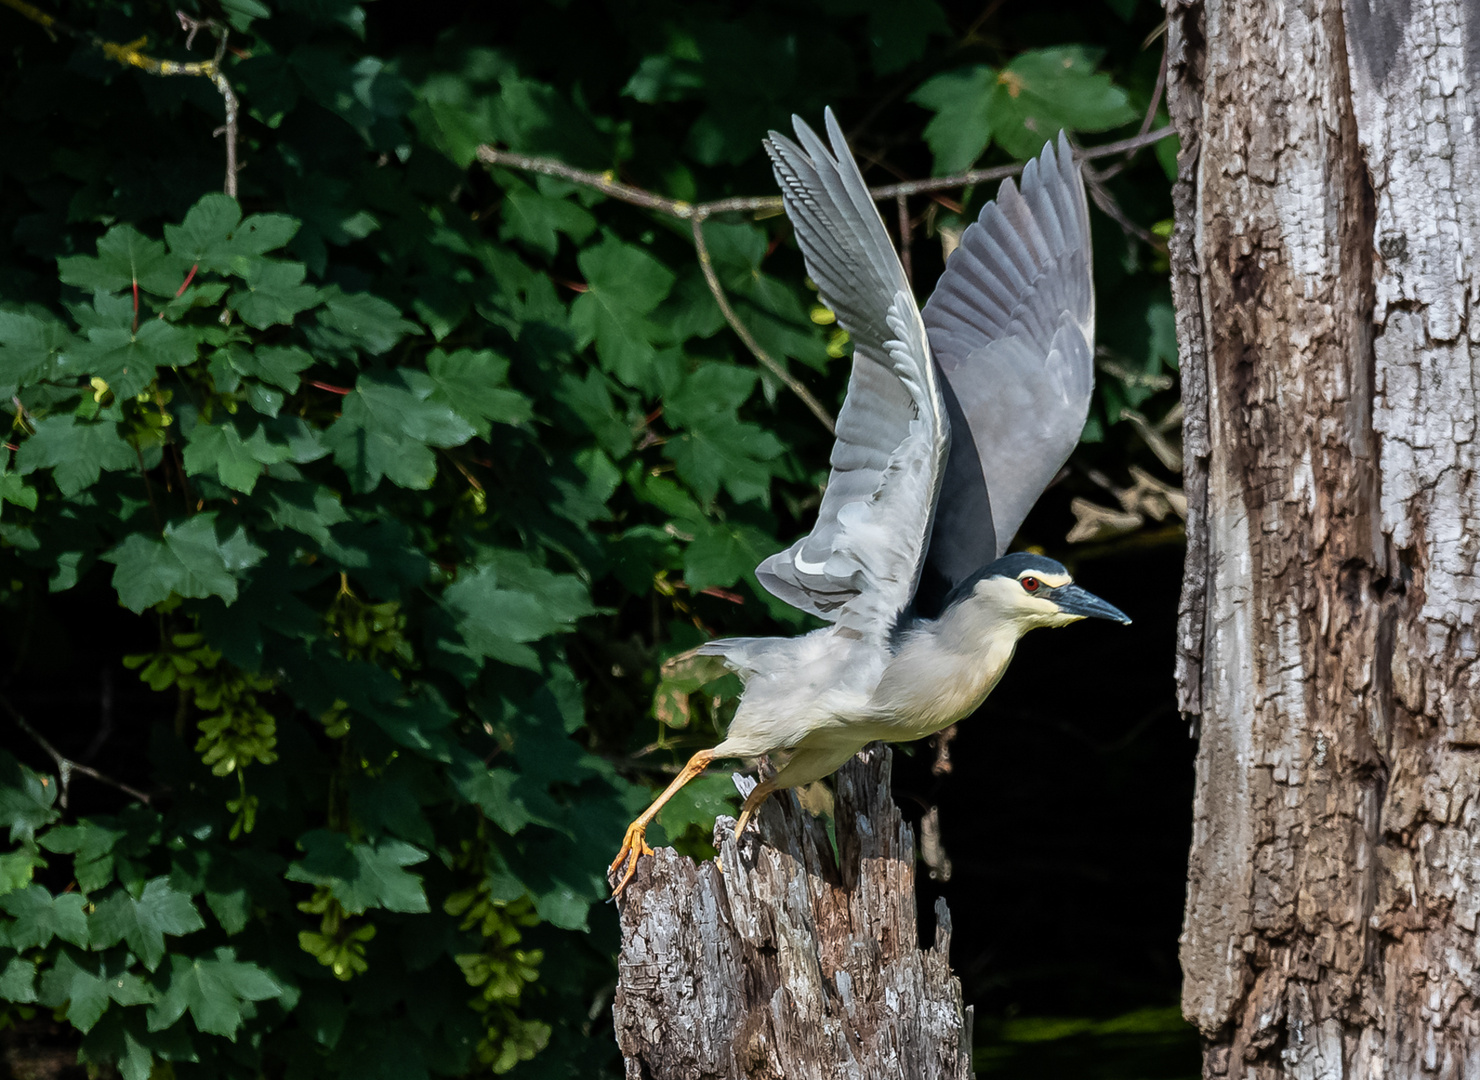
x,y
475,385
39,917
237,462
18,867
307,509
77,451
120,1039
213,234
31,348
1022,106
534,218
499,607
274,293
127,359
160,909
624,284
190,561
361,321
664,77
91,845
716,447
362,875
276,364
1161,321
125,257
16,491
592,402
962,126
217,991
726,452
26,799
1061,86
501,794
86,983
723,554
387,427
1044,91
18,981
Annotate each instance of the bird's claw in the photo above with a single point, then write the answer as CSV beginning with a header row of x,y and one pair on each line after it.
x,y
634,847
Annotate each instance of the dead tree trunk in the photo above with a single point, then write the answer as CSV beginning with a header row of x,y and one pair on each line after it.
x,y
1324,262
791,963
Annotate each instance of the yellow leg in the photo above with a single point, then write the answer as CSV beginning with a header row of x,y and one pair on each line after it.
x,y
634,844
753,802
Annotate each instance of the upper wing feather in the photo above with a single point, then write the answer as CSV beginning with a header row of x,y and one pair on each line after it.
x,y
1011,324
860,564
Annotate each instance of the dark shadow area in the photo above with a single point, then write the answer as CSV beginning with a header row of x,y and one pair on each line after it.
x,y
1066,821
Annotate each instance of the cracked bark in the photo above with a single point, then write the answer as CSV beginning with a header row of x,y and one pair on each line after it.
x,y
1328,220
791,963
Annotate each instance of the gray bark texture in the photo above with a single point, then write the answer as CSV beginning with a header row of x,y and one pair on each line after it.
x,y
790,963
1324,268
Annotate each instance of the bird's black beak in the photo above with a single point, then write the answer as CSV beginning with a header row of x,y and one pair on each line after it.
x,y
1072,600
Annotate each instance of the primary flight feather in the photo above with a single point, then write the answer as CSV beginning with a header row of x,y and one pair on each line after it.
x,y
956,419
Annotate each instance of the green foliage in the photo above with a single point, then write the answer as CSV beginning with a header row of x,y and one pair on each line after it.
x,y
394,480
1032,99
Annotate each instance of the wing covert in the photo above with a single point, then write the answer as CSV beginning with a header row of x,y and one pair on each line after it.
x,y
861,562
1011,325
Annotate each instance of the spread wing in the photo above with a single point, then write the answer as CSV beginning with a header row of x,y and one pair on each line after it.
x,y
861,562
1011,325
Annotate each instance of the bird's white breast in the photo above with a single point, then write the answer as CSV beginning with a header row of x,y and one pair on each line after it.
x,y
938,678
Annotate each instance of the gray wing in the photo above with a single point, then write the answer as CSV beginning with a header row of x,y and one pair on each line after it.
x,y
1011,324
862,561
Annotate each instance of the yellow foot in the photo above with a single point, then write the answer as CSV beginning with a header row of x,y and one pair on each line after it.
x,y
634,847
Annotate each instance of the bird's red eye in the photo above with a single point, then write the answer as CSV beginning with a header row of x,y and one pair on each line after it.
x,y
1031,584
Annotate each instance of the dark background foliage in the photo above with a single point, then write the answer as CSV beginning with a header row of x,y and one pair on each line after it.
x,y
350,521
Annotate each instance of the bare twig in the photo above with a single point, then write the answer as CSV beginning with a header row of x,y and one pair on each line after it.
x,y
770,363
1161,85
1149,118
131,55
698,213
609,185
65,765
1095,182
193,26
679,208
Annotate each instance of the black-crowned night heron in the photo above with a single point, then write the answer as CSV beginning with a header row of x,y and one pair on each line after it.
x,y
955,421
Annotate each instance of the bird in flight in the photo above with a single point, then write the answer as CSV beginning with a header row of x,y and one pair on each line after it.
x,y
956,419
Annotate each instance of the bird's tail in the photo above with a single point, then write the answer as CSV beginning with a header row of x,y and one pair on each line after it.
x,y
742,655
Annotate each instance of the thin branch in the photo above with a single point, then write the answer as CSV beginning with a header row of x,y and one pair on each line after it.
x,y
65,765
130,55
1161,85
688,211
608,185
1095,182
769,362
1150,117
1002,172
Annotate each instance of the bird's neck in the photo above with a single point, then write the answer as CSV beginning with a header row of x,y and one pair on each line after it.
x,y
976,629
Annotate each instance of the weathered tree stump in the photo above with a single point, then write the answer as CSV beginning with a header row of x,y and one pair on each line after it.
x,y
791,962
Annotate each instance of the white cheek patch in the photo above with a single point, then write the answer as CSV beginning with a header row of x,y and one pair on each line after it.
x,y
1041,606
